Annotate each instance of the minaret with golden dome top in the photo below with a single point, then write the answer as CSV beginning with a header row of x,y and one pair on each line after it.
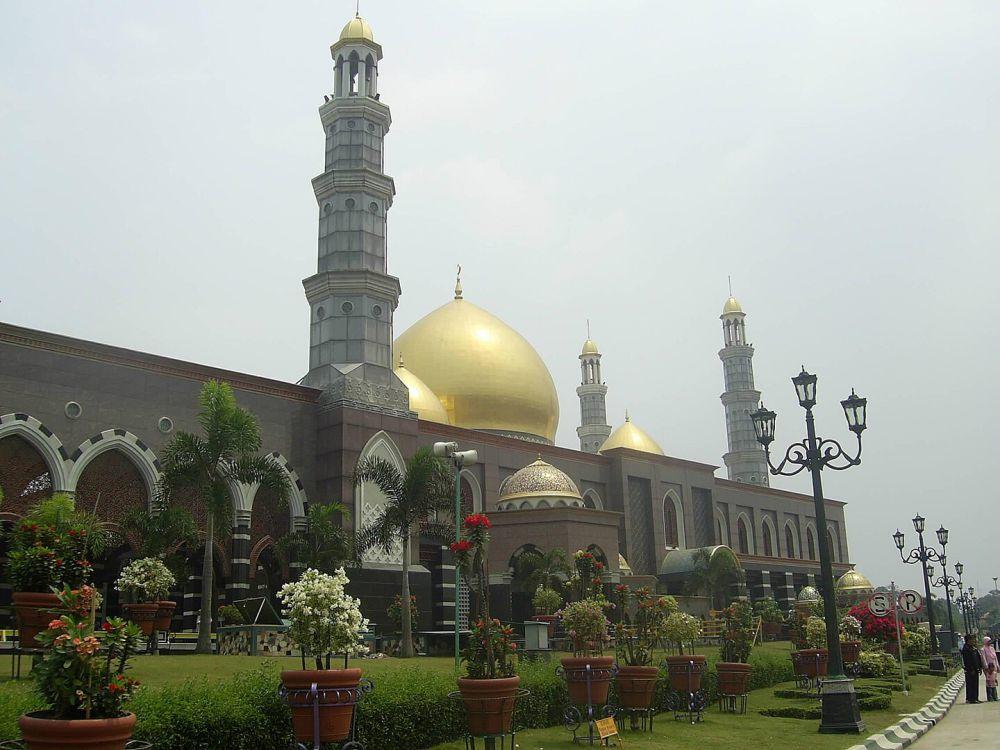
x,y
594,428
745,460
351,296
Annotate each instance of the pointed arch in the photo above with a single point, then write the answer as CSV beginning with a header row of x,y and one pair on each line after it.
x,y
721,528
592,499
673,521
298,501
44,441
744,535
121,440
811,548
833,540
791,541
768,537
476,488
369,500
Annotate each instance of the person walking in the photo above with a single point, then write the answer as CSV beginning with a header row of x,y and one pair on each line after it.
x,y
991,666
972,661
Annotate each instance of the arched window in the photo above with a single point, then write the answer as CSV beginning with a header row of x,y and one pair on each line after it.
x,y
743,534
789,541
669,523
832,542
766,537
811,544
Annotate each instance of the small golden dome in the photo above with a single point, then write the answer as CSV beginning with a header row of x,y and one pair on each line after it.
x,y
422,399
589,347
732,306
357,30
852,580
623,565
630,436
809,594
486,375
538,479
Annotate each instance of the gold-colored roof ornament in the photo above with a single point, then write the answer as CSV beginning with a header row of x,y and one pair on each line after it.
x,y
357,29
852,580
422,399
589,347
539,479
630,436
486,375
732,306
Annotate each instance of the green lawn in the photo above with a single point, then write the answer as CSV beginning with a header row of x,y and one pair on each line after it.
x,y
720,731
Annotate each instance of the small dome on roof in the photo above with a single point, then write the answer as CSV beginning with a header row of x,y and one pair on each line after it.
x,y
852,580
732,306
589,347
357,30
809,594
630,436
539,479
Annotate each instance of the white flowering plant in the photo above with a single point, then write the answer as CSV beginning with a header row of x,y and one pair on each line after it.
x,y
145,580
324,619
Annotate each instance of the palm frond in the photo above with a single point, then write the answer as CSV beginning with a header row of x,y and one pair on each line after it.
x,y
383,475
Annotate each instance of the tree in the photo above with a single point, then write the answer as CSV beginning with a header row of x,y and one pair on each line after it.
x,y
226,455
425,486
547,569
324,544
714,574
162,531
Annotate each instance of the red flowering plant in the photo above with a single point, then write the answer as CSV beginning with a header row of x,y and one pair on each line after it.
x,y
641,616
586,583
878,629
51,547
489,654
82,672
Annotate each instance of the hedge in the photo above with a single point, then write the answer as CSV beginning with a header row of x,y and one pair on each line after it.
x,y
410,710
870,703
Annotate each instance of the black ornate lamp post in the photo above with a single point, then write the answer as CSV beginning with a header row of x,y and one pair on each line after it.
x,y
923,554
840,703
963,598
947,582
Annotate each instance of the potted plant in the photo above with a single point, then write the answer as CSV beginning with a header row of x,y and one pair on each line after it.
x,y
489,689
635,637
850,639
547,602
733,669
585,583
51,548
587,628
145,583
324,620
770,617
812,661
395,613
684,670
81,677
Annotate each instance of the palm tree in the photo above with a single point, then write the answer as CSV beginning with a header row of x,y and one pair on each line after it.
x,y
425,486
715,574
161,531
324,544
226,455
537,568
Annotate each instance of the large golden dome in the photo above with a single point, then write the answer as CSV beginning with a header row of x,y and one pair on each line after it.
x,y
485,374
630,436
422,399
853,581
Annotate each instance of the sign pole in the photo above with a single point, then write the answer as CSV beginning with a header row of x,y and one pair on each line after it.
x,y
899,635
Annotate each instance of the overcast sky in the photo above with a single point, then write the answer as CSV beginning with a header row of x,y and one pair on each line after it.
x,y
605,160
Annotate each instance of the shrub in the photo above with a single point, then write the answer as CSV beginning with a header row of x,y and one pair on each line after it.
x,y
737,641
395,610
768,610
681,627
230,615
546,601
324,618
879,629
850,628
815,632
586,624
145,580
916,642
876,663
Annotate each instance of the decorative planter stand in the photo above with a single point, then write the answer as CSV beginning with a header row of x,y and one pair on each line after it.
x,y
318,698
810,668
689,704
636,690
573,716
493,709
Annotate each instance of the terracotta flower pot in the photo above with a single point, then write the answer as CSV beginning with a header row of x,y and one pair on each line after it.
x,y
850,651
34,611
164,614
575,672
685,672
41,733
636,686
143,615
551,620
335,687
489,704
772,629
733,678
812,662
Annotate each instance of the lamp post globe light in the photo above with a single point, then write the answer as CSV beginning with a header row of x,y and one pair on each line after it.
x,y
947,582
840,702
459,460
924,555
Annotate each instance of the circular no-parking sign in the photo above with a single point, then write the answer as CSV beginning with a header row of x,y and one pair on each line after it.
x,y
910,602
880,604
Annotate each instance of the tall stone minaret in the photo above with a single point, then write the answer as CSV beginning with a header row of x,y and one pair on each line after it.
x,y
593,429
352,297
745,459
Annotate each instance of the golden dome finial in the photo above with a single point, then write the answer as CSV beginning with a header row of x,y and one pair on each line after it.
x,y
458,283
401,359
627,417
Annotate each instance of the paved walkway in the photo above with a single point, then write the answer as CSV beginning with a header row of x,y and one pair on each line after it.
x,y
965,726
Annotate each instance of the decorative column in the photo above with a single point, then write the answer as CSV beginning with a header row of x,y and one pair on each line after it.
x,y
238,586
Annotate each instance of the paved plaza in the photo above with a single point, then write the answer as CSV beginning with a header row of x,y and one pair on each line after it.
x,y
965,725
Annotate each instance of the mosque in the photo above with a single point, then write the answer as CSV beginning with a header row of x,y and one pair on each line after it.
x,y
91,419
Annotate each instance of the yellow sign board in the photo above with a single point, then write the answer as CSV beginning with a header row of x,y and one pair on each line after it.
x,y
606,727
